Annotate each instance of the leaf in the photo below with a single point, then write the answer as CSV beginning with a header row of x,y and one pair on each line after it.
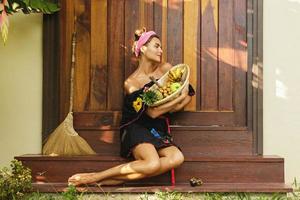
x,y
4,26
149,97
53,7
43,6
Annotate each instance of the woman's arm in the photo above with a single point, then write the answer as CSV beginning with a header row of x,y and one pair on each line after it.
x,y
182,104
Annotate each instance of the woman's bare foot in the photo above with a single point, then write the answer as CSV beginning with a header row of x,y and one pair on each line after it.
x,y
82,178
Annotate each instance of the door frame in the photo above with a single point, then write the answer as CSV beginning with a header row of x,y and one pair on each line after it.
x,y
56,58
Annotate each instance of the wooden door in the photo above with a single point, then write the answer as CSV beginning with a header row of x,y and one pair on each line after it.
x,y
209,35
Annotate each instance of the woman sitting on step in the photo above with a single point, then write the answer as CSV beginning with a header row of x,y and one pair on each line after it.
x,y
144,131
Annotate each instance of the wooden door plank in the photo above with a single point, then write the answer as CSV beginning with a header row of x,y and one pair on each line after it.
x,y
157,12
66,26
175,32
209,57
131,24
99,78
164,30
115,54
83,62
226,55
240,61
190,45
148,14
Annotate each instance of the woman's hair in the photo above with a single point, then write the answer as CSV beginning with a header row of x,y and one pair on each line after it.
x,y
137,35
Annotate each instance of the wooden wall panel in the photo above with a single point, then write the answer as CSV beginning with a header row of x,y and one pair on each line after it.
x,y
66,26
175,32
164,30
226,55
98,94
115,54
138,14
148,15
208,35
157,12
209,58
191,35
240,60
83,62
131,24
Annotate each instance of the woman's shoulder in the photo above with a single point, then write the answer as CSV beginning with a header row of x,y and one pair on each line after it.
x,y
131,85
165,67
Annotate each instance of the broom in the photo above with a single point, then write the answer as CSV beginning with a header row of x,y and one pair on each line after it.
x,y
64,140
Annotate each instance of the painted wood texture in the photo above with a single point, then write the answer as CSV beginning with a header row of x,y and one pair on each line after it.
x,y
209,35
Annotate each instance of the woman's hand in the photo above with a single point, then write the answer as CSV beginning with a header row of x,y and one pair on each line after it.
x,y
184,102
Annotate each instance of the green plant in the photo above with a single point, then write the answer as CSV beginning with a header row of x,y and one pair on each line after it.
x,y
39,196
71,193
9,7
149,97
15,182
169,195
296,190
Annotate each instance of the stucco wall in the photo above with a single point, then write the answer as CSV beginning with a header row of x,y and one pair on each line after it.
x,y
282,83
21,88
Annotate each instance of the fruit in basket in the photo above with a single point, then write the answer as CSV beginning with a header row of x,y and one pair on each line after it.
x,y
175,86
175,75
168,86
151,96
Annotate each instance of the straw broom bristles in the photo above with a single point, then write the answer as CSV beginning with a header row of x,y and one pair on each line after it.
x,y
65,141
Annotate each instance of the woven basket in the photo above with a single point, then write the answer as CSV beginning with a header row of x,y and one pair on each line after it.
x,y
163,80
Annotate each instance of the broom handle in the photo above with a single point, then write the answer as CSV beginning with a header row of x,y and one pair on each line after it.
x,y
72,66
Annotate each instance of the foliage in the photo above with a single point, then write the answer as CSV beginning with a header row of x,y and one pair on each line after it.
x,y
39,196
29,6
296,191
9,7
71,193
14,182
149,97
169,195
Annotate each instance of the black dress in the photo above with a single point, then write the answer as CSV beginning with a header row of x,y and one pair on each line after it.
x,y
137,127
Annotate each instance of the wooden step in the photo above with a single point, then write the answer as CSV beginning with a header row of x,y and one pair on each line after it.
x,y
206,187
204,141
212,169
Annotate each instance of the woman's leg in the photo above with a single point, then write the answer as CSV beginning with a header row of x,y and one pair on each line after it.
x,y
171,157
147,163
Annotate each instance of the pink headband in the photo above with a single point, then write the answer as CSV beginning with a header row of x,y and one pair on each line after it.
x,y
142,40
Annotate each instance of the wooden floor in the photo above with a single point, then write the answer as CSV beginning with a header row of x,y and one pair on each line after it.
x,y
208,187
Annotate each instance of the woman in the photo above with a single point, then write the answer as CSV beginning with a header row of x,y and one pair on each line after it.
x,y
144,131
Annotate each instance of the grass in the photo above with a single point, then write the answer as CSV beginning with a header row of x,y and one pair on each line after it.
x,y
72,194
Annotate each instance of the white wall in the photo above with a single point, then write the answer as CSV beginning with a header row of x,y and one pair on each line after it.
x,y
282,83
21,88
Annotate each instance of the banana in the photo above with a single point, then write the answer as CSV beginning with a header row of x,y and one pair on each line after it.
x,y
178,73
171,78
175,75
